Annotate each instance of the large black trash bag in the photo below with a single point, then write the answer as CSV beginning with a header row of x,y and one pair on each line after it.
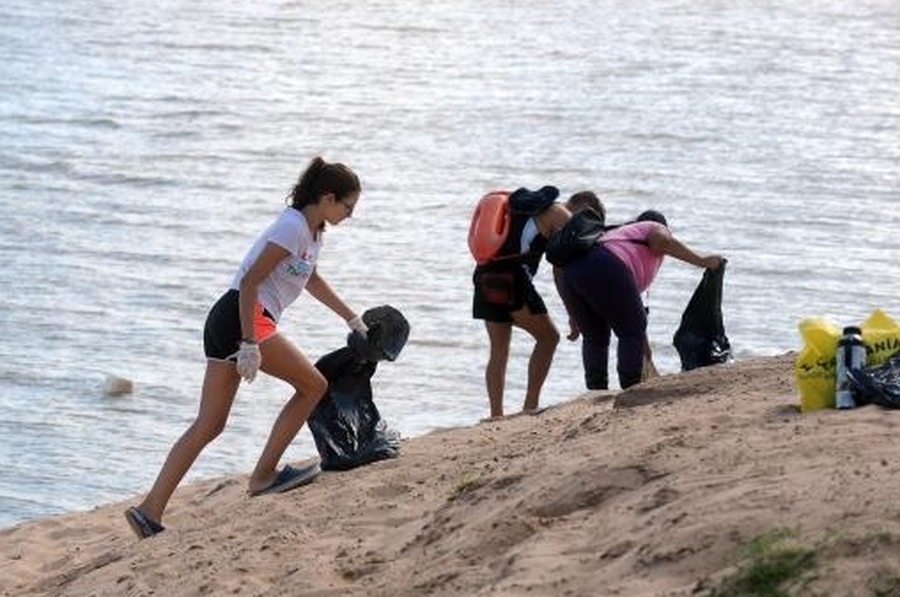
x,y
346,425
877,385
700,339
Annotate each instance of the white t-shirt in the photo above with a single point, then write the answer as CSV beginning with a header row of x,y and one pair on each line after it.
x,y
285,283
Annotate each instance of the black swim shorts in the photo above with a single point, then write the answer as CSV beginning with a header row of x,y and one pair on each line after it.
x,y
222,332
499,293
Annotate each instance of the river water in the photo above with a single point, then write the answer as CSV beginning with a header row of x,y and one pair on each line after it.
x,y
145,144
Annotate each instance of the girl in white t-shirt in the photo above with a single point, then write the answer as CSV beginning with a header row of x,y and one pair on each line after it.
x,y
241,337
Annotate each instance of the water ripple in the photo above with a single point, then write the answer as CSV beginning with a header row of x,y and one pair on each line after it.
x,y
144,148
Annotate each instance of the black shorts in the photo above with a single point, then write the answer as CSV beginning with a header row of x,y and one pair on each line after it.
x,y
499,293
222,331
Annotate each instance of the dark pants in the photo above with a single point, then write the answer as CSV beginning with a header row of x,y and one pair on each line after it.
x,y
601,295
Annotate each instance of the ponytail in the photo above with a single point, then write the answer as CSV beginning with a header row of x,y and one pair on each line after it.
x,y
321,178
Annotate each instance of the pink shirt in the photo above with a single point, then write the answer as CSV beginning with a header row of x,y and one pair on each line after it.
x,y
643,263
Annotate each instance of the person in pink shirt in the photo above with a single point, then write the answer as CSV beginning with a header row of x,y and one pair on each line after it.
x,y
602,293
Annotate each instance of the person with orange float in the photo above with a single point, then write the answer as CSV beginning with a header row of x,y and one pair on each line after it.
x,y
504,294
241,338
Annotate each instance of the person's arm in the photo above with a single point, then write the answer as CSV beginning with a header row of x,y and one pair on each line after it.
x,y
552,219
660,240
249,358
322,292
271,255
574,331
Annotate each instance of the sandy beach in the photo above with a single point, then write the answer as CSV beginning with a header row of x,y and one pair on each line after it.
x,y
683,485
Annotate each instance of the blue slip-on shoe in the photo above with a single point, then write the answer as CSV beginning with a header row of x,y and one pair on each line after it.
x,y
291,477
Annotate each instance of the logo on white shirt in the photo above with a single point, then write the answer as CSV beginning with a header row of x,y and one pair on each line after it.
x,y
302,267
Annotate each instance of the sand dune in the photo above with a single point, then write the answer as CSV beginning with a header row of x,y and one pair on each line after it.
x,y
674,487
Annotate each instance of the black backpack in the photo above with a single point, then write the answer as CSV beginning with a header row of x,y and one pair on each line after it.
x,y
575,239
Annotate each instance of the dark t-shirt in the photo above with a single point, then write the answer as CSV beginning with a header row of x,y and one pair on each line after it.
x,y
524,241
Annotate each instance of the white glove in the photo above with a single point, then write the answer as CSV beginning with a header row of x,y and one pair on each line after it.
x,y
248,360
357,325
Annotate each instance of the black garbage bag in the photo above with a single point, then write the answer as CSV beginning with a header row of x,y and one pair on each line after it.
x,y
700,339
877,385
387,335
347,428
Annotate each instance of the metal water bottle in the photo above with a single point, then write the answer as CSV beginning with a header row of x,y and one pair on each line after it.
x,y
851,354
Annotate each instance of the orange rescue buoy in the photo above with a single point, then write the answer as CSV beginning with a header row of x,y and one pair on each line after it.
x,y
490,226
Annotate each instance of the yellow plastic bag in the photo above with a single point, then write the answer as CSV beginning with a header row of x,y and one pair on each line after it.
x,y
881,335
814,367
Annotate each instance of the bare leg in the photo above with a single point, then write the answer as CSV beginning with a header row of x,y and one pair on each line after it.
x,y
499,335
546,337
283,360
219,388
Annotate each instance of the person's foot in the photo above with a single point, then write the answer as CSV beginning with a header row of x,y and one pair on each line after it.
x,y
289,478
492,418
142,525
